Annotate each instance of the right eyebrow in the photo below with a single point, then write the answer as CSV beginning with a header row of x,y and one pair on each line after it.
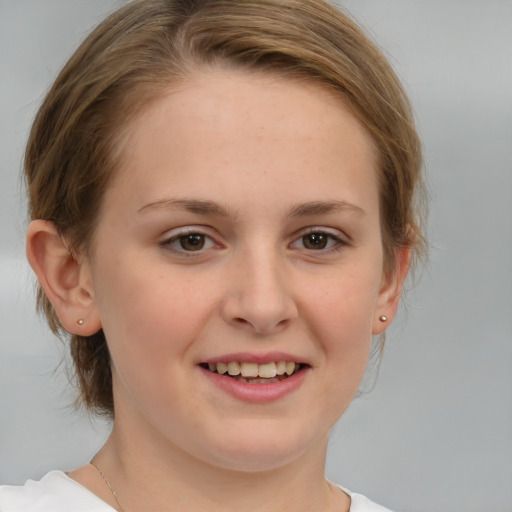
x,y
197,206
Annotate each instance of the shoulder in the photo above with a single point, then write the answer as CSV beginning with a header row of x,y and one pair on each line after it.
x,y
360,503
55,492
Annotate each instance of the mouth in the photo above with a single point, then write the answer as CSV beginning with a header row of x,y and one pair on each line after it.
x,y
254,373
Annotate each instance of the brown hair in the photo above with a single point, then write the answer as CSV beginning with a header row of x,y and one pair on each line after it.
x,y
135,54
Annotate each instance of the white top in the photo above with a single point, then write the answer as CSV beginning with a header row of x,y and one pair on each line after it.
x,y
56,492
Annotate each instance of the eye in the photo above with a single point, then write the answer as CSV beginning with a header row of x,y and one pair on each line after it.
x,y
319,241
188,242
192,242
315,241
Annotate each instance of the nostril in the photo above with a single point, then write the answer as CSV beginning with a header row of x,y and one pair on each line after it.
x,y
260,327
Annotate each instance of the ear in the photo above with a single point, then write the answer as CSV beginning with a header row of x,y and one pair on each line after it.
x,y
391,291
65,278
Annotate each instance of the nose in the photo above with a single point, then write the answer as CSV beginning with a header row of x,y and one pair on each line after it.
x,y
259,295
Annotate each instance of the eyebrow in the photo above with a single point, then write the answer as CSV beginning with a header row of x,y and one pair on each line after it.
x,y
323,207
206,207
198,206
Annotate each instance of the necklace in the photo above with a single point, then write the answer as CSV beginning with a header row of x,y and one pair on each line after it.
x,y
108,485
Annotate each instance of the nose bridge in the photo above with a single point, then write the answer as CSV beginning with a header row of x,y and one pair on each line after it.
x,y
260,296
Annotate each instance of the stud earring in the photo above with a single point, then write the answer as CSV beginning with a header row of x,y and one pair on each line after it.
x,y
383,318
80,321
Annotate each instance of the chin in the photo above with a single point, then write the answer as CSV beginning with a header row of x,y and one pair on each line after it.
x,y
250,462
263,449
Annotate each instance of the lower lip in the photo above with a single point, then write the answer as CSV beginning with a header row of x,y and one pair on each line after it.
x,y
257,393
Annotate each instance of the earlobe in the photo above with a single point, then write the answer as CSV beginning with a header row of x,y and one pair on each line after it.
x,y
64,277
391,291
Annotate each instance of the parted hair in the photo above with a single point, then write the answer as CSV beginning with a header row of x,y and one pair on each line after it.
x,y
138,52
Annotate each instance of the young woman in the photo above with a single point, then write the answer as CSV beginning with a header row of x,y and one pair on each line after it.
x,y
224,204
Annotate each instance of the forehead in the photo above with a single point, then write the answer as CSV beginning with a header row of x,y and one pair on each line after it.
x,y
226,124
254,99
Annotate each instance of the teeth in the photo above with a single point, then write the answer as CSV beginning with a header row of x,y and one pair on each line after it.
x,y
233,368
222,368
267,370
281,367
249,369
257,380
254,370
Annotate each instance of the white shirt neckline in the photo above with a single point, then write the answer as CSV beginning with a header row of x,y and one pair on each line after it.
x,y
58,492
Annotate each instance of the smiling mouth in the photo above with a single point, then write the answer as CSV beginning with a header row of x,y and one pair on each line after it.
x,y
254,373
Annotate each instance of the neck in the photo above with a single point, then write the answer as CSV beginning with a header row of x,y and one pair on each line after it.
x,y
146,478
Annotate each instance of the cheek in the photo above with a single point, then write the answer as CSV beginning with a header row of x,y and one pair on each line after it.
x,y
344,307
341,316
342,330
151,315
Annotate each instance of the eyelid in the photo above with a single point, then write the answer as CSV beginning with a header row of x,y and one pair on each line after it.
x,y
175,234
342,240
334,232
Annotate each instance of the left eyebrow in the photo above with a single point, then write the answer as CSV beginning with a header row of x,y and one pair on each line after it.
x,y
323,207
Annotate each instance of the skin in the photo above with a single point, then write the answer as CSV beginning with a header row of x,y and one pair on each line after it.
x,y
262,150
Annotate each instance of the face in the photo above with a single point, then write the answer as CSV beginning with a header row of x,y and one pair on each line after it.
x,y
241,234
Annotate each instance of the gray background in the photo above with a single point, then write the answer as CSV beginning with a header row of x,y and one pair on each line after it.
x,y
436,432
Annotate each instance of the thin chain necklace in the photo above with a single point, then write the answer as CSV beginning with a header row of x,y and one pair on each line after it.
x,y
108,485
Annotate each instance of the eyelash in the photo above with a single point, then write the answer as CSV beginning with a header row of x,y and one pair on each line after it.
x,y
337,243
178,237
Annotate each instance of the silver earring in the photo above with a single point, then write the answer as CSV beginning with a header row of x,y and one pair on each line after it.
x,y
80,321
383,318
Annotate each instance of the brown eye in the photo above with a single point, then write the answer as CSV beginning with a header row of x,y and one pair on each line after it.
x,y
192,242
315,241
322,242
188,242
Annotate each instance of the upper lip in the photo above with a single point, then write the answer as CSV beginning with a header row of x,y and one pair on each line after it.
x,y
251,357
